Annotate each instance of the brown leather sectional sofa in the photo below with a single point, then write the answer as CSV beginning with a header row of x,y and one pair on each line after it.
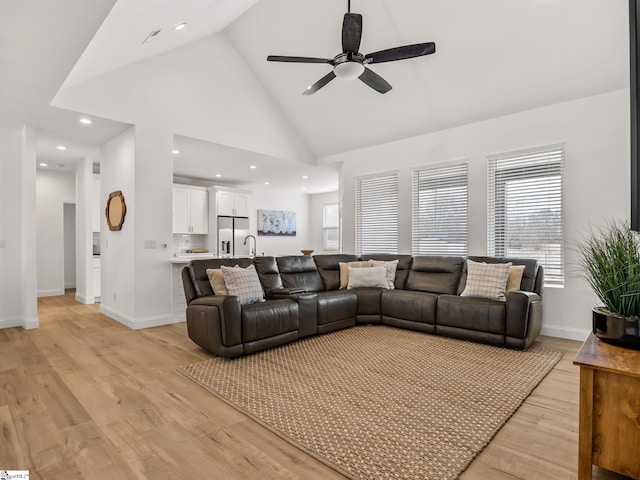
x,y
303,298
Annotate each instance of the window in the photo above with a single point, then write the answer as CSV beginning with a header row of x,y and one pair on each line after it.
x,y
525,212
440,210
377,214
330,223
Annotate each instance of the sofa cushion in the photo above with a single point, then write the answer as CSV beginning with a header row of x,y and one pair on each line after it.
x,y
243,283
409,305
472,313
336,305
216,279
390,267
267,319
435,274
268,273
367,277
300,271
486,280
198,272
344,271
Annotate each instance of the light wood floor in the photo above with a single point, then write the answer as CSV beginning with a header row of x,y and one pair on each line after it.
x,y
85,397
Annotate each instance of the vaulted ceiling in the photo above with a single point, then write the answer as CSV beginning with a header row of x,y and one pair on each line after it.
x,y
211,81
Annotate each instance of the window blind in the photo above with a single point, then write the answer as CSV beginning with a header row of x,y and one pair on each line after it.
x,y
440,210
525,208
377,214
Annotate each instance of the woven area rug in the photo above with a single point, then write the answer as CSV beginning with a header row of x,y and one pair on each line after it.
x,y
375,402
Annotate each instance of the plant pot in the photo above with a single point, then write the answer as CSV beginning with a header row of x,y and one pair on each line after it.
x,y
621,331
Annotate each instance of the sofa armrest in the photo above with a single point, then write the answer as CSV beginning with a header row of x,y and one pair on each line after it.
x,y
523,318
227,310
286,292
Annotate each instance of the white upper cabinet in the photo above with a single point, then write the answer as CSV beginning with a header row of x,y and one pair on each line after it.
x,y
190,210
232,203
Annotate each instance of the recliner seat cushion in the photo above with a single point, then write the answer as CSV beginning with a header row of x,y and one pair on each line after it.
x,y
408,305
267,319
472,313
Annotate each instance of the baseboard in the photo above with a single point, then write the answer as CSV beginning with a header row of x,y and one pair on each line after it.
x,y
51,293
84,299
136,323
565,332
12,322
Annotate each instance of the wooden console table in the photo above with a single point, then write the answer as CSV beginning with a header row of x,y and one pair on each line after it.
x,y
609,435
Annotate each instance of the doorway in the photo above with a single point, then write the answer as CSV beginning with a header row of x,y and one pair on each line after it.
x,y
69,255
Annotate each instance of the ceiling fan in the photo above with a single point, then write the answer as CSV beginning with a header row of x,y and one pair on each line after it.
x,y
351,64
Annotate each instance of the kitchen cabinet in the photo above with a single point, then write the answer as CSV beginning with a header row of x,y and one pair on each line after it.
x,y
190,210
230,203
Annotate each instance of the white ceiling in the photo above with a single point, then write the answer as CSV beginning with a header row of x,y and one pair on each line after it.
x,y
494,57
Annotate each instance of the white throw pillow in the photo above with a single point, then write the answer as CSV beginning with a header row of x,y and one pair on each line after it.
x,y
344,271
488,280
243,283
367,277
391,267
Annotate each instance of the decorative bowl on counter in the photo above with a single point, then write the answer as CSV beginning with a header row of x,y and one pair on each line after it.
x,y
306,252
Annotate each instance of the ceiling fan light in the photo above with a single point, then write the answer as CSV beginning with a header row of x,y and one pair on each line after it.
x,y
348,70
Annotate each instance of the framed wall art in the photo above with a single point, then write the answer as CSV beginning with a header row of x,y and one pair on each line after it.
x,y
276,222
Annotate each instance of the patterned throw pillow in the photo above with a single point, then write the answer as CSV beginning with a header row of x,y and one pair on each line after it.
x,y
488,280
391,267
243,283
344,271
367,277
216,279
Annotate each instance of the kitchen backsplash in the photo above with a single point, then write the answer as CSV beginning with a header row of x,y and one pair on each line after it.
x,y
182,243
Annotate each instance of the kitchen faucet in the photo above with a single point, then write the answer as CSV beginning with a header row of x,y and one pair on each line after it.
x,y
251,252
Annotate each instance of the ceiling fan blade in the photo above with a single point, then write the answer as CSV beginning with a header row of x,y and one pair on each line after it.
x,y
401,53
375,81
279,58
319,84
351,32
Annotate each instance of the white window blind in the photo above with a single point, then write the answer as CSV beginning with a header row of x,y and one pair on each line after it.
x,y
377,214
525,208
440,210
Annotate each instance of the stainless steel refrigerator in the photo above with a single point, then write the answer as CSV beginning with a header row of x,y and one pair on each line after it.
x,y
232,232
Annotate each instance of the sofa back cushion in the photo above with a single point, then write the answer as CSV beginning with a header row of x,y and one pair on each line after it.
x,y
268,272
198,272
435,274
300,271
530,281
329,268
402,270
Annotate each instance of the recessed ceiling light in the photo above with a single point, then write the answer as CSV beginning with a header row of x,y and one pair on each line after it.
x,y
304,177
304,188
180,26
61,147
266,183
175,152
85,121
43,165
218,175
252,167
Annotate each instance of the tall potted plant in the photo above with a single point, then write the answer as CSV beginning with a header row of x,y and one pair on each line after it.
x,y
610,260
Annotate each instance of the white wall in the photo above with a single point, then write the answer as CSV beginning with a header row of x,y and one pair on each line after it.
x,y
117,172
268,199
84,234
595,131
316,219
53,188
18,302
